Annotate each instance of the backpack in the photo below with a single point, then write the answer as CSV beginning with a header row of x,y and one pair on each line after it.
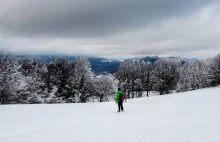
x,y
122,97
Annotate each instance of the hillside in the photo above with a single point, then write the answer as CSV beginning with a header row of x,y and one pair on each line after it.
x,y
184,117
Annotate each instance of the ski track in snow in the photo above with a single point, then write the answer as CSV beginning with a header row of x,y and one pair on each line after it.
x,y
184,117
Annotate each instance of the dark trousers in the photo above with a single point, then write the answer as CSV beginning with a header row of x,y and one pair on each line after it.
x,y
120,106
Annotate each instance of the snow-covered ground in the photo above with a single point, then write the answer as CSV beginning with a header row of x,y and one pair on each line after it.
x,y
184,117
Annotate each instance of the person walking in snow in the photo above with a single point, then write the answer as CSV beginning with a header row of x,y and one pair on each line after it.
x,y
119,98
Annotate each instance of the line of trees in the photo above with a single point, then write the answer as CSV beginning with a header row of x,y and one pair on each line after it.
x,y
70,81
62,81
135,77
167,75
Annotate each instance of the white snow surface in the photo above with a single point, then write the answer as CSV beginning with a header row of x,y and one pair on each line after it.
x,y
185,117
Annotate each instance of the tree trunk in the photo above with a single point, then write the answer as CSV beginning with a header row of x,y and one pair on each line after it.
x,y
129,94
101,98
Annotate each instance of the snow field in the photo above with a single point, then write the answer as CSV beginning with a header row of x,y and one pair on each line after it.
x,y
185,117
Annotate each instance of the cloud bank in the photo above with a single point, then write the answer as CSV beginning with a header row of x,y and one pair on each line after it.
x,y
111,28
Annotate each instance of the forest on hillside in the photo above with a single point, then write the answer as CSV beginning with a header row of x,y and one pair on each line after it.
x,y
26,81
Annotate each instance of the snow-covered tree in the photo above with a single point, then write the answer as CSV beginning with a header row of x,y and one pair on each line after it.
x,y
166,75
127,74
105,87
47,77
135,77
214,70
193,75
82,79
60,73
10,79
33,86
147,77
138,87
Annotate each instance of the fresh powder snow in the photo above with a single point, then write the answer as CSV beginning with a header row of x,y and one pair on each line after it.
x,y
184,117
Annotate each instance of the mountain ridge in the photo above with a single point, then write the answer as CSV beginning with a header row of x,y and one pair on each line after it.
x,y
98,64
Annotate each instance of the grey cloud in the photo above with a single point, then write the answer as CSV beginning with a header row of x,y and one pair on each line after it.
x,y
110,28
87,18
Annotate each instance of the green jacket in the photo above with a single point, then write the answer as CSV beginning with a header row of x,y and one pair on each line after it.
x,y
118,96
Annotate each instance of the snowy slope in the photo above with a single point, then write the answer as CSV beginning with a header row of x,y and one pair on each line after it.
x,y
186,117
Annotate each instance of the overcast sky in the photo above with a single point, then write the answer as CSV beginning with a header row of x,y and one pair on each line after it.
x,y
111,28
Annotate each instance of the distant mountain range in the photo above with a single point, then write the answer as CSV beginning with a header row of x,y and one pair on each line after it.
x,y
98,65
